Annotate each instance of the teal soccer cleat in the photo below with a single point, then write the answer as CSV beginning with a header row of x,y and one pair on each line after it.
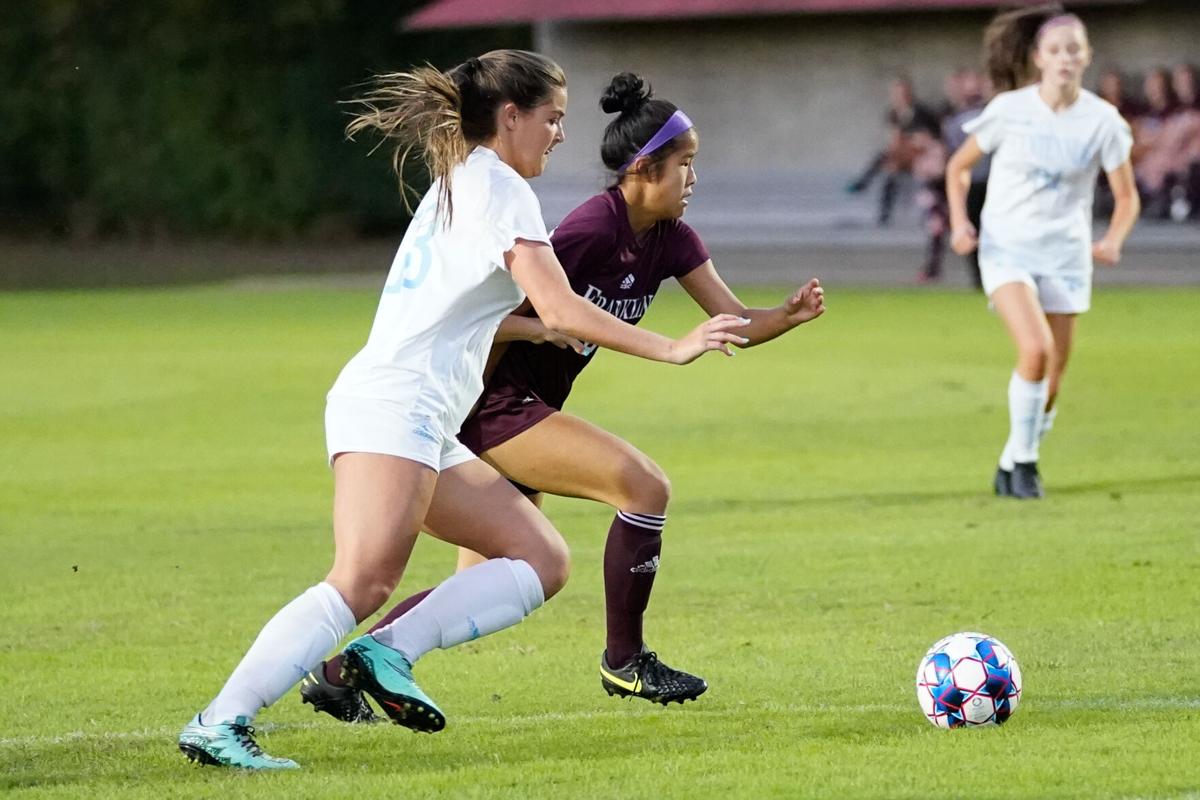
x,y
386,675
227,744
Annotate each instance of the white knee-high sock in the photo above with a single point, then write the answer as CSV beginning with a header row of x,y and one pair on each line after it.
x,y
1026,412
484,599
292,643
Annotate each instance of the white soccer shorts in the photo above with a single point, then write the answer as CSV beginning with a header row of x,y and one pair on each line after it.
x,y
1062,293
361,425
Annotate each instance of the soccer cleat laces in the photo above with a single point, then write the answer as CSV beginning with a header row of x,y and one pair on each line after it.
x,y
650,679
227,744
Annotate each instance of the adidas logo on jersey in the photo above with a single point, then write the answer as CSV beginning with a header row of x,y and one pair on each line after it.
x,y
628,282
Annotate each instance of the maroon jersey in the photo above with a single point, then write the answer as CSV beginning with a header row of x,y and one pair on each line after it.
x,y
607,265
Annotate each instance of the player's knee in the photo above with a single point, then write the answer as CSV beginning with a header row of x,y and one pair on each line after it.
x,y
553,566
644,487
1036,357
364,593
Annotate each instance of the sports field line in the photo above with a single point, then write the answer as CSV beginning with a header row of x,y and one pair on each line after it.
x,y
1091,704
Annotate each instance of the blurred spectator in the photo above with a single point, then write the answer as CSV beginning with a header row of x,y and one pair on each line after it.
x,y
1183,81
964,91
1112,88
929,170
1166,153
1167,144
974,95
954,100
905,120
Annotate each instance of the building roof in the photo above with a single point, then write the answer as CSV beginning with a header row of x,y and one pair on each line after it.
x,y
474,13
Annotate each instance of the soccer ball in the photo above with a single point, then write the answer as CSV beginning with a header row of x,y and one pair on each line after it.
x,y
967,680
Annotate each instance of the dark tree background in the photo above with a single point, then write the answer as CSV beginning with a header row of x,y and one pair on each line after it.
x,y
201,117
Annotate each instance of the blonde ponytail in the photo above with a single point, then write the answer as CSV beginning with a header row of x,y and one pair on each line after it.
x,y
444,115
421,110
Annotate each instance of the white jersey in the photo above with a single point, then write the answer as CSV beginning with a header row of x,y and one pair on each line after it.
x,y
446,294
1038,212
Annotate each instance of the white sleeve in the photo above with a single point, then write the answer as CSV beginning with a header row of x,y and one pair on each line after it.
x,y
1118,141
515,213
988,127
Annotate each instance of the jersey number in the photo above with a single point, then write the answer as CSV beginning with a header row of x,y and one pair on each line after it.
x,y
419,257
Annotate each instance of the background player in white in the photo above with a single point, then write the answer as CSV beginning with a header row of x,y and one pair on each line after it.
x,y
477,246
1048,142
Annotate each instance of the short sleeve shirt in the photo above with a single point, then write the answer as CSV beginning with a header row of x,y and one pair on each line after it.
x,y
1038,213
446,293
609,266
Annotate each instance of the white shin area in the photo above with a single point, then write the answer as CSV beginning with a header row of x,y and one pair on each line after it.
x,y
486,598
292,643
1026,415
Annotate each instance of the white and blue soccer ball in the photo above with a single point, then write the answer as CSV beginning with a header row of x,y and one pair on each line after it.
x,y
967,680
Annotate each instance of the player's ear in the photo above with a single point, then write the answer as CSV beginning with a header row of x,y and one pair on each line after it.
x,y
507,115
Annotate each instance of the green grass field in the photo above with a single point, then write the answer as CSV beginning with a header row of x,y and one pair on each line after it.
x,y
163,491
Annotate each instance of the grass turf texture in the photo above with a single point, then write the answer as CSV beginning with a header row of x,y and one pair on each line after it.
x,y
163,492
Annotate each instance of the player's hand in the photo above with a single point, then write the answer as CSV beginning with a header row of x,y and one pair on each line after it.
x,y
964,239
561,340
1106,252
806,303
716,334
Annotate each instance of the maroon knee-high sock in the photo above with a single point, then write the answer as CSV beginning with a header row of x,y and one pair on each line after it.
x,y
630,564
333,667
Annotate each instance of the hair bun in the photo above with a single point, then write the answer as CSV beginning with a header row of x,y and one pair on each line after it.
x,y
625,93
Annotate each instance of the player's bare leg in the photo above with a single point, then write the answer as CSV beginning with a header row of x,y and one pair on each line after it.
x,y
477,509
379,502
1017,305
570,457
527,563
469,558
1062,327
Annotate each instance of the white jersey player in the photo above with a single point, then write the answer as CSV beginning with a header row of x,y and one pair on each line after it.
x,y
1048,142
448,289
476,248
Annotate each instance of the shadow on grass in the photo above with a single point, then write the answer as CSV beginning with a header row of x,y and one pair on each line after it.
x,y
1116,489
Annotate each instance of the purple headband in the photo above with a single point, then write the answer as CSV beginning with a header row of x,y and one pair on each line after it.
x,y
676,124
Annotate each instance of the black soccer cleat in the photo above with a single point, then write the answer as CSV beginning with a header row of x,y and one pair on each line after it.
x,y
1002,483
343,703
647,677
1026,483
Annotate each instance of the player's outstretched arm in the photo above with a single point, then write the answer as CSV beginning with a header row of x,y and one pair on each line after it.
x,y
1126,208
712,294
537,271
963,236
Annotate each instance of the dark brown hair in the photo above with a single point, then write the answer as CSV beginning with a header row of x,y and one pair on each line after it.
x,y
639,116
1009,41
443,115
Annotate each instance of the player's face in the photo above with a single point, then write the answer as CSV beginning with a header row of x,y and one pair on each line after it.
x,y
1062,55
668,193
536,132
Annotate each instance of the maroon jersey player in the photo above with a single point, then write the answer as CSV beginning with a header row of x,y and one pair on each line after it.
x,y
616,248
